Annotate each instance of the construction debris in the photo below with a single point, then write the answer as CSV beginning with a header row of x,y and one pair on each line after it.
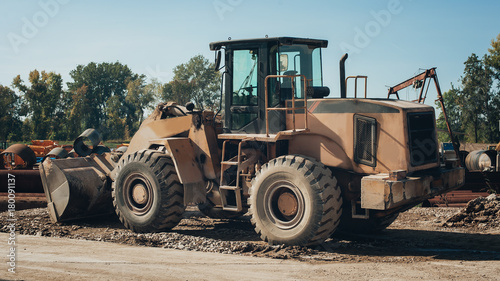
x,y
481,213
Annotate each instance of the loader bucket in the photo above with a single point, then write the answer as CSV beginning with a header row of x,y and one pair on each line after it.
x,y
77,187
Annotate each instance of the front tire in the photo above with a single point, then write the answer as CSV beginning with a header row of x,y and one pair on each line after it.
x,y
295,201
147,193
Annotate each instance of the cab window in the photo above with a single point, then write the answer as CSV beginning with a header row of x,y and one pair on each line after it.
x,y
244,83
298,60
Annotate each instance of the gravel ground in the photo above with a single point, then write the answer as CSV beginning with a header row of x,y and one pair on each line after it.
x,y
419,234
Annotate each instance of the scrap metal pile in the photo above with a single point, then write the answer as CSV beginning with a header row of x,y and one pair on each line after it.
x,y
23,161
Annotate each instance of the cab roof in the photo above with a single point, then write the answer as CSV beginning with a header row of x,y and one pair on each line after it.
x,y
281,40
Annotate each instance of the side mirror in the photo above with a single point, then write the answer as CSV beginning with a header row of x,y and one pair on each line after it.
x,y
217,60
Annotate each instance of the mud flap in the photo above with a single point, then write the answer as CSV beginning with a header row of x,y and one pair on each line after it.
x,y
77,187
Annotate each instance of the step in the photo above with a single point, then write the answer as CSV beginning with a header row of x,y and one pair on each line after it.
x,y
228,187
234,163
231,208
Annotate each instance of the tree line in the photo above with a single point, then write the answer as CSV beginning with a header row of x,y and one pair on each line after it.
x,y
108,97
473,106
113,99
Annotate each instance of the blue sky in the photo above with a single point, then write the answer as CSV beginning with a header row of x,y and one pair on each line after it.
x,y
388,40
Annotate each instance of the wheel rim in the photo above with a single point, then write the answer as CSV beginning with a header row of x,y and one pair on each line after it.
x,y
138,194
284,204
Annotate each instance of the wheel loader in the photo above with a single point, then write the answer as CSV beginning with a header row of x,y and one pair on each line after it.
x,y
302,165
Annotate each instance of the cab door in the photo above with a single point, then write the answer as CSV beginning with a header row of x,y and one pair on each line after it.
x,y
245,83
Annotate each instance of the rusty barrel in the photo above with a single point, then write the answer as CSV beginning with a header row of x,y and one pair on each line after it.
x,y
77,187
479,160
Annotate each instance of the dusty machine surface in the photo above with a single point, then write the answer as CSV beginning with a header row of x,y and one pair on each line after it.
x,y
302,165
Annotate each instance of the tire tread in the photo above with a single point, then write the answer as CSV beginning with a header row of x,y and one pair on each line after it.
x,y
171,191
325,187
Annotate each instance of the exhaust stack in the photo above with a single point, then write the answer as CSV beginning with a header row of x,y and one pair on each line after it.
x,y
343,93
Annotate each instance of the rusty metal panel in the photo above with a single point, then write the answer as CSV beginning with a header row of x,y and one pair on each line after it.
x,y
24,152
457,198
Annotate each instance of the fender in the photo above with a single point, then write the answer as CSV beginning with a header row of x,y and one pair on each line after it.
x,y
188,169
182,152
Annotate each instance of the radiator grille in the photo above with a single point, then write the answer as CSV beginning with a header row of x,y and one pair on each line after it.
x,y
422,137
364,140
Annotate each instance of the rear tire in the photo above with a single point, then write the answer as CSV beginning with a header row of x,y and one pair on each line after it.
x,y
147,193
295,201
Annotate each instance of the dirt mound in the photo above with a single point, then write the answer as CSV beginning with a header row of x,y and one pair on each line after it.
x,y
482,212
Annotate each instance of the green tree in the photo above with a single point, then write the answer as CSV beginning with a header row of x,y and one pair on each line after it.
x,y
196,81
41,103
180,91
100,91
474,107
115,119
452,104
139,98
10,125
476,100
493,63
77,104
493,59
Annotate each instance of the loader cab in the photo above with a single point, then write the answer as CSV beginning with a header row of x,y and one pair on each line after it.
x,y
247,63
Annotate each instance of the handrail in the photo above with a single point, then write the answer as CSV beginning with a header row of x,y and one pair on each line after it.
x,y
356,84
293,108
